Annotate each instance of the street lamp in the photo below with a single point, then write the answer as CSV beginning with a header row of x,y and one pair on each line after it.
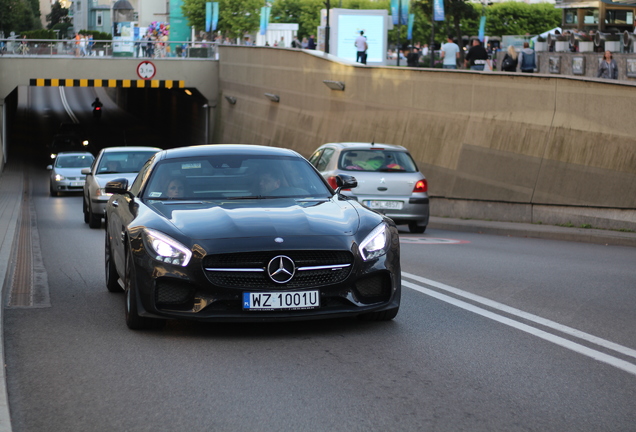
x,y
327,28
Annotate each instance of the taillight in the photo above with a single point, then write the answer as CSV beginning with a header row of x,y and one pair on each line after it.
x,y
421,186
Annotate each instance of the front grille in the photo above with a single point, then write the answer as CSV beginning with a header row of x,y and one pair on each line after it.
x,y
374,288
227,269
173,292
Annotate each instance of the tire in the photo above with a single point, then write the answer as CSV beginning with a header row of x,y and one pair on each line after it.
x,y
415,228
85,210
94,220
112,278
386,315
54,193
133,320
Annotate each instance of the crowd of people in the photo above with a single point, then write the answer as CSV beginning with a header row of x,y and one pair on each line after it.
x,y
484,57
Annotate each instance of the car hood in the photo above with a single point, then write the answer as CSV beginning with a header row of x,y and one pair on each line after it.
x,y
282,217
69,172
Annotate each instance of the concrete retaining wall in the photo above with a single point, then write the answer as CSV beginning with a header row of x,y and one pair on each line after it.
x,y
553,148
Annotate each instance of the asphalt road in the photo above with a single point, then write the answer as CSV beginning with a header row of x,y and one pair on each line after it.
x,y
494,333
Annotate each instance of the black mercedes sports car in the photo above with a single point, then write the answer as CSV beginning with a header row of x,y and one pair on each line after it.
x,y
246,233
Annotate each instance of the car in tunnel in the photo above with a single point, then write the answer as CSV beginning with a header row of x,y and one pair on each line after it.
x,y
66,172
246,233
388,179
110,163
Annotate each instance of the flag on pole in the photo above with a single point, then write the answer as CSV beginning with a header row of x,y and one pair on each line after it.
x,y
482,28
405,11
215,15
438,10
264,19
208,16
394,11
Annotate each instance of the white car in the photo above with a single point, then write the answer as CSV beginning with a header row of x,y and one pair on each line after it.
x,y
66,172
111,163
389,181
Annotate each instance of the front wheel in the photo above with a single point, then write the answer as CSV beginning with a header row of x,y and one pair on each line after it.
x,y
94,220
133,320
416,229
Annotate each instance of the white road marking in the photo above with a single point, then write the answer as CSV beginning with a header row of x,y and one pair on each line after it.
x,y
430,240
67,107
573,346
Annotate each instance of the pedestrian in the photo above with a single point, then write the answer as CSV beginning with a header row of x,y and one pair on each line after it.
x,y
304,44
77,44
450,54
413,57
83,44
527,59
361,47
90,43
509,62
311,43
476,57
607,68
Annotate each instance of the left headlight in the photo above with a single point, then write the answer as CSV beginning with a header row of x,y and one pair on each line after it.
x,y
59,177
376,243
166,249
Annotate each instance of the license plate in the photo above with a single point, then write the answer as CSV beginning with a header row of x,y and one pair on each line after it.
x,y
281,300
77,183
391,205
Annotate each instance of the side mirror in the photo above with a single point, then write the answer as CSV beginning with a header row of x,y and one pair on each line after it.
x,y
86,171
117,186
345,182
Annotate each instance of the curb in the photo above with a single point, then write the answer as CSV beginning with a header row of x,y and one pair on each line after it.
x,y
549,232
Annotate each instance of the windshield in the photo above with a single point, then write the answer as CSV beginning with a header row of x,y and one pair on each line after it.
x,y
74,161
376,160
123,162
234,177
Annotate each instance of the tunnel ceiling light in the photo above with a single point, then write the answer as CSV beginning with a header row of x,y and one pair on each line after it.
x,y
188,92
272,97
334,85
231,99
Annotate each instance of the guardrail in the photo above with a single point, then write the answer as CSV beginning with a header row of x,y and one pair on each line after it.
x,y
108,48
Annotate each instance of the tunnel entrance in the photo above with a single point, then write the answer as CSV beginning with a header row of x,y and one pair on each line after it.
x,y
45,120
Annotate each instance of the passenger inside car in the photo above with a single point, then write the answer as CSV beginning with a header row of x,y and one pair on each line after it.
x,y
175,188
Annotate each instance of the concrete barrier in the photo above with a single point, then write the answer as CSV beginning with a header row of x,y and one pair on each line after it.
x,y
511,146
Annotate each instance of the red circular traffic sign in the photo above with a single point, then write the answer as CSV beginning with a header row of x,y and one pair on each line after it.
x,y
146,70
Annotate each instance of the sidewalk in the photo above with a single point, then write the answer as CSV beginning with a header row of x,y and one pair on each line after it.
x,y
11,195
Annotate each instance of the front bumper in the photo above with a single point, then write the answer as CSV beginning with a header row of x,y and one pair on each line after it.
x,y
166,291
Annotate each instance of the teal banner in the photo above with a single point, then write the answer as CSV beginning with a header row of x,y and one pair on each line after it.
x,y
215,15
409,32
264,19
208,16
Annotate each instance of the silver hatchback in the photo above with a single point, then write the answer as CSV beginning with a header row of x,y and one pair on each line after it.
x,y
388,179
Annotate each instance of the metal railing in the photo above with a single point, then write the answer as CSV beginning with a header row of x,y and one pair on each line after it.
x,y
108,49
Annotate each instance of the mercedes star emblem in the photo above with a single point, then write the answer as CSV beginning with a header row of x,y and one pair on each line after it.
x,y
281,269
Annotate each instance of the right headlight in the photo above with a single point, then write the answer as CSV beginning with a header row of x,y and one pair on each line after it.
x,y
376,243
165,249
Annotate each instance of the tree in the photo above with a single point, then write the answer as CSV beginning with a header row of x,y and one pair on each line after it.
x,y
512,18
18,16
236,17
59,14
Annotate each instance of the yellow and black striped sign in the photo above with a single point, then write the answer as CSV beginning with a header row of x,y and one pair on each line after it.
x,y
54,82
